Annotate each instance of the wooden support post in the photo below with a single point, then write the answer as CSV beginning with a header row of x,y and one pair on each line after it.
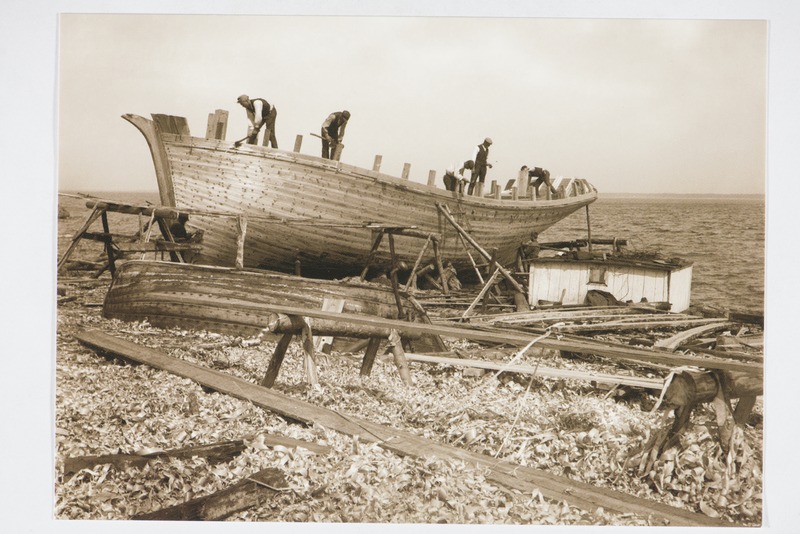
x,y
492,261
743,408
369,355
393,277
437,254
588,229
146,236
486,287
277,359
298,267
107,242
494,191
400,361
477,247
323,343
514,193
241,228
406,171
375,244
471,258
217,125
479,189
298,143
77,237
432,177
376,165
522,183
413,274
309,359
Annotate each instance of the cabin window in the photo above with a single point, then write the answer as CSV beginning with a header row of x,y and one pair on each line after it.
x,y
597,275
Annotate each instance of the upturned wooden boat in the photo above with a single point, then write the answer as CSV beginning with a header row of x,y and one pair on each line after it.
x,y
317,211
237,301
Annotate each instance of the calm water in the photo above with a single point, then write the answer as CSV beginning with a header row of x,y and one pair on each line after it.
x,y
724,238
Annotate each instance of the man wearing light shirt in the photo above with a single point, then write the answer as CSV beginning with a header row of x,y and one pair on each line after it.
x,y
454,180
259,113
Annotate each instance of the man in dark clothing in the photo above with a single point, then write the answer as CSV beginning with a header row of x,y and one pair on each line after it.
x,y
332,133
542,177
481,164
259,113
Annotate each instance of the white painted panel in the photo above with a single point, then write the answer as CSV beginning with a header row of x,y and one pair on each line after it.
x,y
680,289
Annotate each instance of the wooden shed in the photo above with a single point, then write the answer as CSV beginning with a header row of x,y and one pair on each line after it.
x,y
567,279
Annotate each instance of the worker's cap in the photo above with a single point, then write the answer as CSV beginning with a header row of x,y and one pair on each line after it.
x,y
243,98
346,114
488,140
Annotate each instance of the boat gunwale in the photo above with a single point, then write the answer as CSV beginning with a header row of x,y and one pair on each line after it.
x,y
326,166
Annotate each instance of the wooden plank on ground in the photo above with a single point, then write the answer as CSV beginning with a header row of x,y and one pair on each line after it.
x,y
247,493
564,343
548,372
526,479
680,338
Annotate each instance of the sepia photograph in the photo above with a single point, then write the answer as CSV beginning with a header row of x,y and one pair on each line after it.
x,y
333,268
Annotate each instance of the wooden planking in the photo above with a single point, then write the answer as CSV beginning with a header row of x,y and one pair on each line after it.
x,y
548,372
526,479
224,188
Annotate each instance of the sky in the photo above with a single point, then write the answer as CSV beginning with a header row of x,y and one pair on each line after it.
x,y
581,87
632,105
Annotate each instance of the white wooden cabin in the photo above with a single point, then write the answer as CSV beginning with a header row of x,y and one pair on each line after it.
x,y
567,280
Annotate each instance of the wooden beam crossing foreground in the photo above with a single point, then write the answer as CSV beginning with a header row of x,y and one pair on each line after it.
x,y
525,479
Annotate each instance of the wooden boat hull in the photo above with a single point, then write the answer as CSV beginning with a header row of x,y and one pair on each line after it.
x,y
301,207
226,300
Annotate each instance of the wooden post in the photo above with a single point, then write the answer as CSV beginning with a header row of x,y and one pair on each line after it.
x,y
437,255
298,142
376,166
369,355
588,229
479,189
217,126
107,242
78,235
482,252
412,276
522,183
309,362
375,244
494,191
406,171
277,359
393,277
514,193
486,287
432,177
743,408
241,228
399,357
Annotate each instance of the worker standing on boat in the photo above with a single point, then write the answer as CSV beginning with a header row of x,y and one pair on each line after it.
x,y
481,164
259,113
332,133
454,180
542,177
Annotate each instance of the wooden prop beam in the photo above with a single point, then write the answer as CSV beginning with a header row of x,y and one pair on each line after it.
x,y
525,479
446,212
251,491
547,372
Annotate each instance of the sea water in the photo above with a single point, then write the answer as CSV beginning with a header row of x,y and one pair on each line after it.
x,y
722,236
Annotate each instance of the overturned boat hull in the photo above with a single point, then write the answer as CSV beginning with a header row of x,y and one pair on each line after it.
x,y
317,211
235,301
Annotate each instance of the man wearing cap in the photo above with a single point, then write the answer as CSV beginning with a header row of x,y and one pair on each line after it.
x,y
332,133
481,164
259,113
